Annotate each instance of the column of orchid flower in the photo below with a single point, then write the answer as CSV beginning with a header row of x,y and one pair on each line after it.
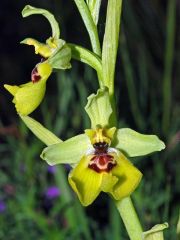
x,y
98,156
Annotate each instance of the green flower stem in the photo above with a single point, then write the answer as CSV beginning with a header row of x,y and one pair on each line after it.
x,y
169,54
130,218
82,54
110,47
90,25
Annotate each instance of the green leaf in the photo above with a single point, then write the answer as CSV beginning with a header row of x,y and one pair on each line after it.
x,y
99,108
94,6
155,233
90,25
69,151
110,42
136,144
30,10
61,59
40,131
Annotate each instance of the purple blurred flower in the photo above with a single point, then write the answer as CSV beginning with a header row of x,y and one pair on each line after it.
x,y
2,206
67,167
22,167
52,192
51,169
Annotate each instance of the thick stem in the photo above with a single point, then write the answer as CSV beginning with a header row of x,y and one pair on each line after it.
x,y
84,55
130,218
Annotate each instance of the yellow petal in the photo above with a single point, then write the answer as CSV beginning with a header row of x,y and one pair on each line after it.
x,y
85,181
44,70
28,98
40,48
128,178
100,134
12,89
108,182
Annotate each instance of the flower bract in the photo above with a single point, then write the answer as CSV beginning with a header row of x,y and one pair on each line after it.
x,y
155,233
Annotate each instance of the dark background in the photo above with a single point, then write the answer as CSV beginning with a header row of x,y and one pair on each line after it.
x,y
142,68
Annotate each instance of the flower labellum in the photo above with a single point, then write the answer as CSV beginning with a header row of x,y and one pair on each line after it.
x,y
27,97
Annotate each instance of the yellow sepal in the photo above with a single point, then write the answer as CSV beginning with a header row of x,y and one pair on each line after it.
x,y
128,176
100,134
45,50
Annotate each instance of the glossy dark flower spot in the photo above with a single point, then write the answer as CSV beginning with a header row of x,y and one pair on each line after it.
x,y
35,77
102,161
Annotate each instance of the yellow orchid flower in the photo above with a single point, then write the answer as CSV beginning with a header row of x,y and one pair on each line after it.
x,y
103,169
98,156
27,97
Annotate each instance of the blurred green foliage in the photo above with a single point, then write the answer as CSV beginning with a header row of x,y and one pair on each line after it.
x,y
147,93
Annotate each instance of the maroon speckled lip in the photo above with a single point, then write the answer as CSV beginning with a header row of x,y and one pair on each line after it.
x,y
102,161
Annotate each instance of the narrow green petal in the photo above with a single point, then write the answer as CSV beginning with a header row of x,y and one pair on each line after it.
x,y
85,182
30,10
128,178
99,108
40,131
69,151
135,144
155,233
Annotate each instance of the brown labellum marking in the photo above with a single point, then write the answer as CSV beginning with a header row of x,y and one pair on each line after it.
x,y
35,77
102,161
